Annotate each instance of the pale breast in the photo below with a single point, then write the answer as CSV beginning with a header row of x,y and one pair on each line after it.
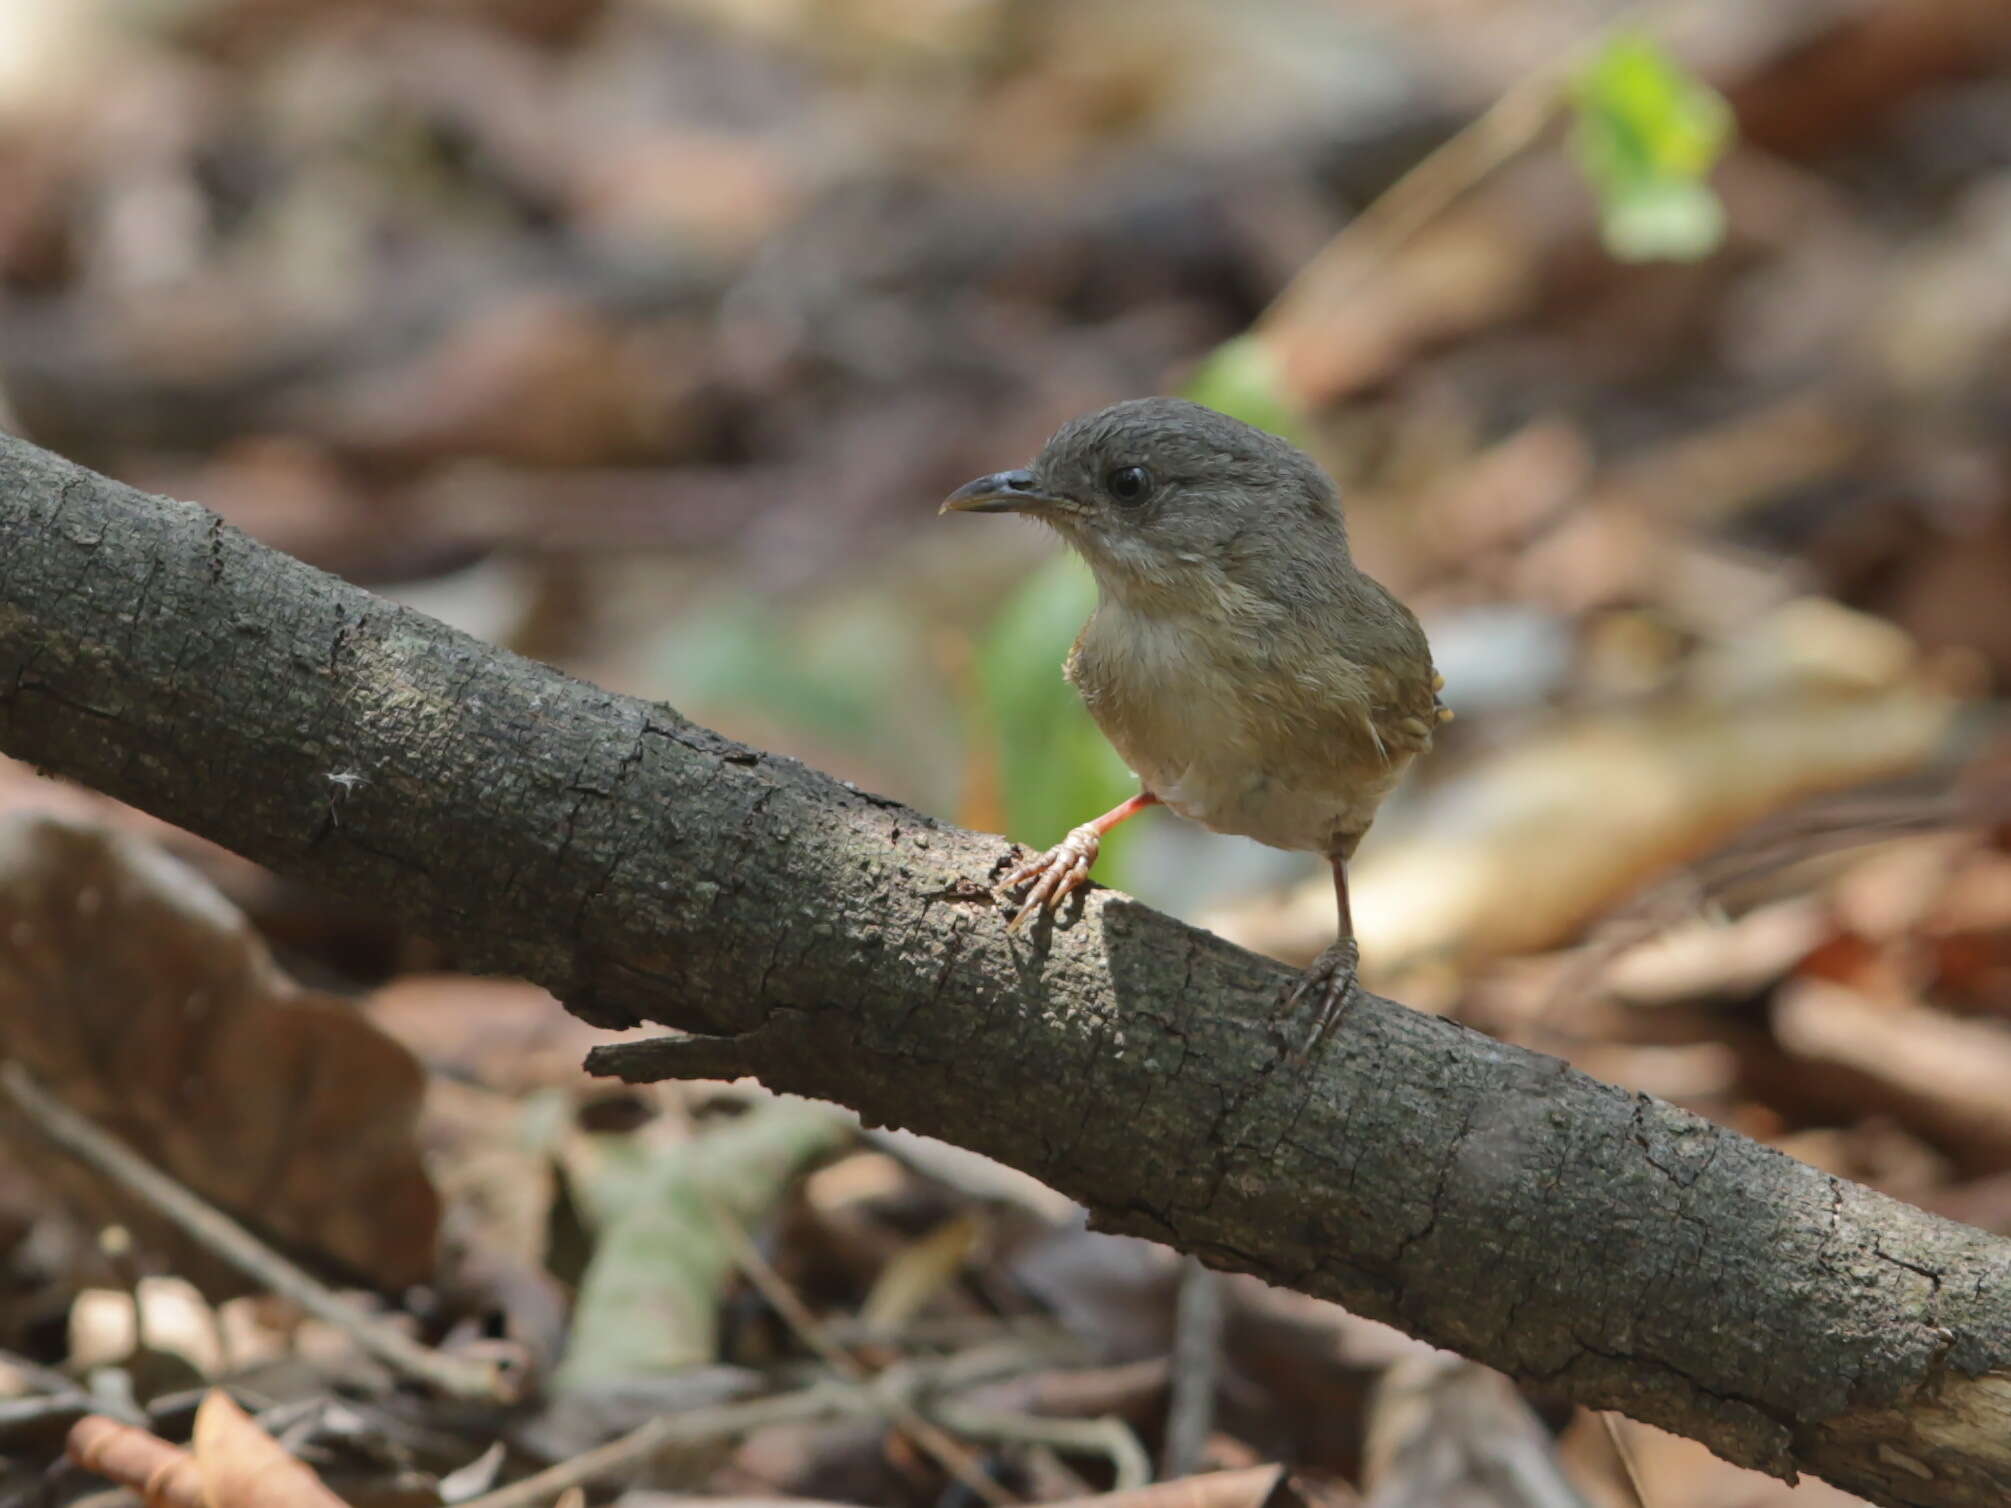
x,y
1226,740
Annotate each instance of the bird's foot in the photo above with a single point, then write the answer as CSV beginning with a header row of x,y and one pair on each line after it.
x,y
1330,984
1053,874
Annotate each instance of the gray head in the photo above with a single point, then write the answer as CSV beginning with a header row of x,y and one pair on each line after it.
x,y
1160,495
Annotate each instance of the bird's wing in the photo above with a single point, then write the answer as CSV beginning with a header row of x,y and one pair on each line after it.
x,y
1404,704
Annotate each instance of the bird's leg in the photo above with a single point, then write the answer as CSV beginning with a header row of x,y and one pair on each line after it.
x,y
1066,865
1330,983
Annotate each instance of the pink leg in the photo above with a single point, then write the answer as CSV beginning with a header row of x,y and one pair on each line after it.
x,y
1066,865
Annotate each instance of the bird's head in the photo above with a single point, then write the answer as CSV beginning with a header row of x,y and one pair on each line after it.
x,y
1165,498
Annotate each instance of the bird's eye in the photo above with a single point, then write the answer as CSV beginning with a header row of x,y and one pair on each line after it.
x,y
1129,484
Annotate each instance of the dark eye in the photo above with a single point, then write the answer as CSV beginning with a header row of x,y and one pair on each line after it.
x,y
1129,484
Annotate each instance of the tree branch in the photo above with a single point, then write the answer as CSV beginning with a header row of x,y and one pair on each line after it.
x,y
836,944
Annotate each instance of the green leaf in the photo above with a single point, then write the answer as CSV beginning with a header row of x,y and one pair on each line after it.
x,y
1056,771
1646,135
650,1298
1674,222
827,676
1240,379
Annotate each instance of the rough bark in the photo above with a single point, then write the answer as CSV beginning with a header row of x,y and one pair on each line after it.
x,y
837,944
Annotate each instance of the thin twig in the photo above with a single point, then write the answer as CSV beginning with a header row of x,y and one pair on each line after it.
x,y
1109,1437
1197,1365
932,1438
1616,1433
692,1427
106,1155
46,1379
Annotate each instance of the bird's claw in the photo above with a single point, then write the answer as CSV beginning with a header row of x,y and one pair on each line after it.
x,y
1053,875
1332,984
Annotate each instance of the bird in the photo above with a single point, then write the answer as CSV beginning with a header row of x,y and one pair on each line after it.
x,y
1252,677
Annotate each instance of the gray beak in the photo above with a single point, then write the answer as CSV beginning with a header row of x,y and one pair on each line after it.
x,y
1001,492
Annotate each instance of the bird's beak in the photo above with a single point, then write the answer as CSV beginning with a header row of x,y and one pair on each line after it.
x,y
1001,492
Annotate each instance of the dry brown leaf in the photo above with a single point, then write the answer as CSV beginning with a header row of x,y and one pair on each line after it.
x,y
505,1034
244,1467
1967,936
1679,1473
1710,960
165,1475
497,1182
1951,589
1978,895
540,380
232,1463
919,1272
1985,1203
719,188
137,993
1890,893
1942,1074
1498,496
1700,1076
22,788
245,883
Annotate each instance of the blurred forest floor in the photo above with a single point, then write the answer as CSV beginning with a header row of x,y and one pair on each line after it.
x,y
642,336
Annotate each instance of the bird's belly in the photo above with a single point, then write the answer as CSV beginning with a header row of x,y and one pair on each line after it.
x,y
1205,746
1210,768
1254,802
